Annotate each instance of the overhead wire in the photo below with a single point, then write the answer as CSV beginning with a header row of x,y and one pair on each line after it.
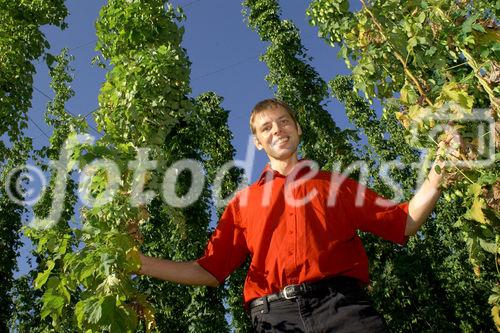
x,y
72,114
39,128
89,113
82,45
191,3
222,69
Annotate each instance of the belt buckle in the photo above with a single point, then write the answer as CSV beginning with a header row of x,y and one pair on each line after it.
x,y
285,293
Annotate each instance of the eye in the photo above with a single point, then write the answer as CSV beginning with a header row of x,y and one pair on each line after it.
x,y
266,129
285,122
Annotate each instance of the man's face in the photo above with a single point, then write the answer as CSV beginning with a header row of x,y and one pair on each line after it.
x,y
276,133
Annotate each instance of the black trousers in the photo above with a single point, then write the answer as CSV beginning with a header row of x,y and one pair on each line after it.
x,y
339,311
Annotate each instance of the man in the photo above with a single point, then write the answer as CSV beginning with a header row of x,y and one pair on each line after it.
x,y
299,227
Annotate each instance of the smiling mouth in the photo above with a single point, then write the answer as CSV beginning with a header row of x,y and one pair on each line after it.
x,y
281,140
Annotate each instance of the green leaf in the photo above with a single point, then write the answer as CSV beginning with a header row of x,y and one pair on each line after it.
x,y
41,243
52,305
86,272
89,311
126,320
63,246
438,169
488,178
107,262
80,313
421,17
490,247
451,91
51,244
64,291
430,51
52,282
412,42
94,311
474,189
408,94
478,27
467,25
108,304
43,276
475,212
162,50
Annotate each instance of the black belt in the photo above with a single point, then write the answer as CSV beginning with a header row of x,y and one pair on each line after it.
x,y
337,283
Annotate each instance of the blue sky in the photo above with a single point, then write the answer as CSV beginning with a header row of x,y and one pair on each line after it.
x,y
224,53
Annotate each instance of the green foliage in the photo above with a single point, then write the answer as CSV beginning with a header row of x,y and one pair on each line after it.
x,y
143,104
27,305
216,145
363,117
21,42
144,96
181,234
415,45
427,279
440,59
149,81
54,244
10,223
241,321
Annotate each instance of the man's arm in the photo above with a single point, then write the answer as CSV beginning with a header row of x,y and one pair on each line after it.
x,y
423,202
189,272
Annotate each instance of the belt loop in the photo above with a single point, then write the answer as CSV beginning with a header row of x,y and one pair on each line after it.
x,y
266,305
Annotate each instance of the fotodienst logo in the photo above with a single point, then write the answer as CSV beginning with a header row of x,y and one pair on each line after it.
x,y
26,184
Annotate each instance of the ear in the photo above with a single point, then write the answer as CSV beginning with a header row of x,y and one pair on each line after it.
x,y
257,143
299,130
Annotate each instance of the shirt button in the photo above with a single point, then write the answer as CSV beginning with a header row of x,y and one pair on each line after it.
x,y
290,253
290,232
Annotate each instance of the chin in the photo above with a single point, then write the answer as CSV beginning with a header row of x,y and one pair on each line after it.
x,y
283,155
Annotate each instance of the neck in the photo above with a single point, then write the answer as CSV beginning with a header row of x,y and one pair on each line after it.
x,y
284,166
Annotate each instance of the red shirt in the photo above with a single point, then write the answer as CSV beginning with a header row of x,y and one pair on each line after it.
x,y
291,242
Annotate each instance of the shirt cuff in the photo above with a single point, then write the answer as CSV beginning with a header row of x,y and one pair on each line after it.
x,y
204,262
403,210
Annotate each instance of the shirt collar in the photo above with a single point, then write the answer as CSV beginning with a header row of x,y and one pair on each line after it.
x,y
268,173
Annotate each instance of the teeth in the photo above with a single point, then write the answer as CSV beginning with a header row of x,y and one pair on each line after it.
x,y
284,139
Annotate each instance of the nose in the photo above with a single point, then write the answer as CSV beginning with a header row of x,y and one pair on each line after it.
x,y
276,128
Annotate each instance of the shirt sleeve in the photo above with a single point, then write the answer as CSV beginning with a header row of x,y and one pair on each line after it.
x,y
226,248
373,213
